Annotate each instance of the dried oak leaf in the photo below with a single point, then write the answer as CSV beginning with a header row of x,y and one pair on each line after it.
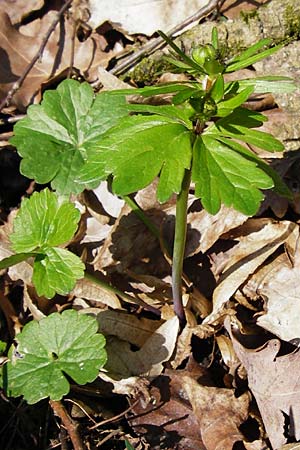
x,y
281,291
17,51
18,9
219,413
168,421
249,254
274,382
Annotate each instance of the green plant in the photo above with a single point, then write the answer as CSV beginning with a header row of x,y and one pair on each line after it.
x,y
74,139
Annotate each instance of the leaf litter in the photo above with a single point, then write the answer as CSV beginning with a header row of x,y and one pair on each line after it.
x,y
184,388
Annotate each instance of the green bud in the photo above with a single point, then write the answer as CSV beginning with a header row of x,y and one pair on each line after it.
x,y
201,53
212,66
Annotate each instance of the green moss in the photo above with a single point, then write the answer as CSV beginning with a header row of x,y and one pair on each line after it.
x,y
292,21
246,16
148,71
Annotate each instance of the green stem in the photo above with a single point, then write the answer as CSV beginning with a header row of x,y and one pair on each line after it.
x,y
179,246
108,287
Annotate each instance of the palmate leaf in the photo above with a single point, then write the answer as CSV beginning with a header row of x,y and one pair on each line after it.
x,y
222,175
48,350
55,136
137,150
41,225
238,125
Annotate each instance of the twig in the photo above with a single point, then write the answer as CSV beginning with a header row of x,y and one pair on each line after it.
x,y
71,427
158,42
37,56
113,419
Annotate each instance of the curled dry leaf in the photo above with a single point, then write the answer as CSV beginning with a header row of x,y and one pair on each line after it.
x,y
123,362
274,382
84,288
245,258
281,291
18,50
143,17
18,9
127,327
211,227
168,421
219,413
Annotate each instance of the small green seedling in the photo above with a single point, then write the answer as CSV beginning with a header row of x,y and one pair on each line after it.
x,y
74,139
48,350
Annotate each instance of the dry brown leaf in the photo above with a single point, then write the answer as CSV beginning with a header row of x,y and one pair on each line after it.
x,y
18,50
127,327
219,413
88,290
291,447
274,382
123,362
131,386
211,227
281,291
143,17
256,445
18,9
245,258
168,421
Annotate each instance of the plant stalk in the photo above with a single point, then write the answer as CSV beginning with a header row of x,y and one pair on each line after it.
x,y
71,427
179,246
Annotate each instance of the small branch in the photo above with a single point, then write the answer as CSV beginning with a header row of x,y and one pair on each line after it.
x,y
71,427
37,56
158,42
179,246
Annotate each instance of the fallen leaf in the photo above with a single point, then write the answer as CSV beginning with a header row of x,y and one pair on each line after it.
x,y
274,382
88,290
245,258
143,17
18,50
168,421
280,289
123,362
19,9
219,413
211,227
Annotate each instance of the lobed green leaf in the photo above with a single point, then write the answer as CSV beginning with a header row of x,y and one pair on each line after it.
x,y
57,346
43,222
55,136
137,150
56,272
225,176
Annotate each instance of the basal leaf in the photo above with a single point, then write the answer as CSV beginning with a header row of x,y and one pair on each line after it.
x,y
55,136
224,176
48,350
43,222
56,272
137,150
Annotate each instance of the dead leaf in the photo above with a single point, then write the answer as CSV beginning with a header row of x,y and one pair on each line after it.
x,y
281,291
211,227
84,288
274,382
143,17
18,50
219,413
123,362
168,421
127,327
245,258
19,9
